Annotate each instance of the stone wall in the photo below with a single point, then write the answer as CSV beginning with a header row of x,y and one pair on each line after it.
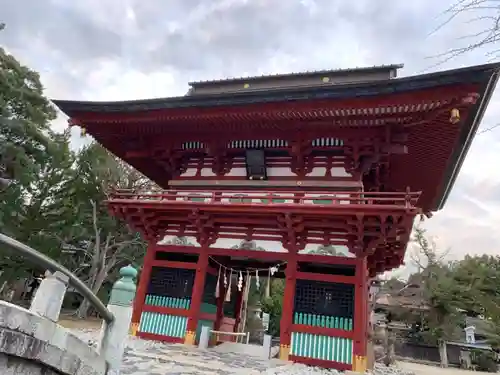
x,y
31,344
10,365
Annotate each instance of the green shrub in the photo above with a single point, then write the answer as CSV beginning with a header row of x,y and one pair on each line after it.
x,y
484,360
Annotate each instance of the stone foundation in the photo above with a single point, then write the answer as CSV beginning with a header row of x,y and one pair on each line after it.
x,y
31,344
10,365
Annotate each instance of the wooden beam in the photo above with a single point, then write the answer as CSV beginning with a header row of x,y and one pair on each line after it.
x,y
173,264
181,207
327,259
257,184
325,277
177,249
251,254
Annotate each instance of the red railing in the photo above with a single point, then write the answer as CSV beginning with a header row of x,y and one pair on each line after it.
x,y
252,197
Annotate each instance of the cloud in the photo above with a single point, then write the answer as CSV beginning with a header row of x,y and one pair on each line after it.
x,y
129,49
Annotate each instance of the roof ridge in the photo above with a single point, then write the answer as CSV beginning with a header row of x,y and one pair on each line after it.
x,y
299,74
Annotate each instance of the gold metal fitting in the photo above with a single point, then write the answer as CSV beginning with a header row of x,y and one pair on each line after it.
x,y
454,116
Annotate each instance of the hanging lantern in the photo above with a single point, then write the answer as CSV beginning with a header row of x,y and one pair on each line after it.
x,y
455,116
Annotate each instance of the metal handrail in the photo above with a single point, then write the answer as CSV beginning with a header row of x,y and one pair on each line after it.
x,y
48,263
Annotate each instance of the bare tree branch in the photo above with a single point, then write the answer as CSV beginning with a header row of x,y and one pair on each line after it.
x,y
479,11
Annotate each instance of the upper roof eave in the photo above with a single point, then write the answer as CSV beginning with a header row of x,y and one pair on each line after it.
x,y
484,75
466,137
369,69
474,74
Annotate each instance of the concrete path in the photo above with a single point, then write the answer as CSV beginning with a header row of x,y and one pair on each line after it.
x,y
420,369
144,357
177,359
256,351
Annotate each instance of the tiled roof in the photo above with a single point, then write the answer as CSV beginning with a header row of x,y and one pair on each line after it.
x,y
482,78
401,302
473,74
368,69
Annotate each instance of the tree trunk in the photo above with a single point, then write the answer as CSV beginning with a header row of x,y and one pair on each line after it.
x,y
9,290
2,288
390,356
83,310
443,353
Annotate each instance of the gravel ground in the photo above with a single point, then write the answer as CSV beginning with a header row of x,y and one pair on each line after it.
x,y
153,358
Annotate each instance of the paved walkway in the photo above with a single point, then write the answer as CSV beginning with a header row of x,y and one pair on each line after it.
x,y
162,359
420,369
143,357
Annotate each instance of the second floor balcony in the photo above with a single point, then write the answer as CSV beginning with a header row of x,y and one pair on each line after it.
x,y
288,199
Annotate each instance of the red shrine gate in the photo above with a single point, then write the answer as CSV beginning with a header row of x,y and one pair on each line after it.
x,y
343,158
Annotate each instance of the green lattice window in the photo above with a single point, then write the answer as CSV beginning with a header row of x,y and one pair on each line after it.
x,y
197,198
325,199
240,200
278,200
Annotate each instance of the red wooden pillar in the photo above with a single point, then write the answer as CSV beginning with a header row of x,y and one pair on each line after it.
x,y
142,289
196,297
360,317
288,304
